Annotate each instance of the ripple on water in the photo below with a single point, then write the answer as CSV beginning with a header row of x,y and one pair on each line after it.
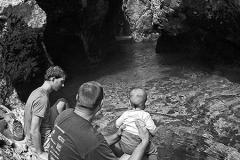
x,y
197,114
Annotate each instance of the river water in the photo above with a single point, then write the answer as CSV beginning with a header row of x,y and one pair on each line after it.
x,y
195,108
135,65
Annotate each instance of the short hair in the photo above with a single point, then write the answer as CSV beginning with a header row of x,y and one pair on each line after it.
x,y
55,71
90,95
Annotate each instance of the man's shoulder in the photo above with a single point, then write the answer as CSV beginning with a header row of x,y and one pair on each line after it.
x,y
64,114
71,123
69,116
77,133
37,93
67,111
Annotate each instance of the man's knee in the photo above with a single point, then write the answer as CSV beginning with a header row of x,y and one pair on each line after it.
x,y
63,100
62,104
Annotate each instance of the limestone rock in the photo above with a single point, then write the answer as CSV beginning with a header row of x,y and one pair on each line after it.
x,y
207,25
140,15
22,55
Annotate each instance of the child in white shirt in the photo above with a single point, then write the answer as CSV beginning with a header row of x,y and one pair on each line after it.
x,y
130,139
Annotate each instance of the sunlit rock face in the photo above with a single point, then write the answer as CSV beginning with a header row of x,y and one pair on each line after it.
x,y
148,18
22,55
190,26
140,15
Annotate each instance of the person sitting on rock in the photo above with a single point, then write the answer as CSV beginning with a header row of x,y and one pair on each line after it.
x,y
38,116
130,139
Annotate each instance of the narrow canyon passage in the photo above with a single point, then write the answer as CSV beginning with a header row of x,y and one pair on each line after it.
x,y
197,110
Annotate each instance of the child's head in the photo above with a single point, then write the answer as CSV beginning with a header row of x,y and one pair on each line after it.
x,y
138,97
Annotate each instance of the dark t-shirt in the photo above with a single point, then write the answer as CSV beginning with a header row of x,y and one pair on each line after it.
x,y
73,138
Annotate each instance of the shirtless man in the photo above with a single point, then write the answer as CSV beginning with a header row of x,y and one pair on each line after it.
x,y
38,115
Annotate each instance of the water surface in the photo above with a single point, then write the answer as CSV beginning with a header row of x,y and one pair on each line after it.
x,y
196,110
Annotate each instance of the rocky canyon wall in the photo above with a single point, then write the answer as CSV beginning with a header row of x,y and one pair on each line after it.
x,y
35,34
22,54
205,28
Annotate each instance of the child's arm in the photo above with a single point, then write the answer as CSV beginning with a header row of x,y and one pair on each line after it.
x,y
150,125
119,121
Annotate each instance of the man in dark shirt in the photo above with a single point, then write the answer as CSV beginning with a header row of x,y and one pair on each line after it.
x,y
74,138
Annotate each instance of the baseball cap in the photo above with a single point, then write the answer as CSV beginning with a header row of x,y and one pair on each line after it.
x,y
90,94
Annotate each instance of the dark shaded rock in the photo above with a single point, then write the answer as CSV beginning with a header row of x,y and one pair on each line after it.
x,y
81,32
110,23
225,51
187,42
23,58
209,29
60,36
66,50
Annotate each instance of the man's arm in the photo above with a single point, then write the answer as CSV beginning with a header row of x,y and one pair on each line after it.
x,y
103,152
112,139
119,121
35,134
138,153
140,149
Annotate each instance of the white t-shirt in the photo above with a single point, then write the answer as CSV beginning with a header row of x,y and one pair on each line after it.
x,y
129,117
